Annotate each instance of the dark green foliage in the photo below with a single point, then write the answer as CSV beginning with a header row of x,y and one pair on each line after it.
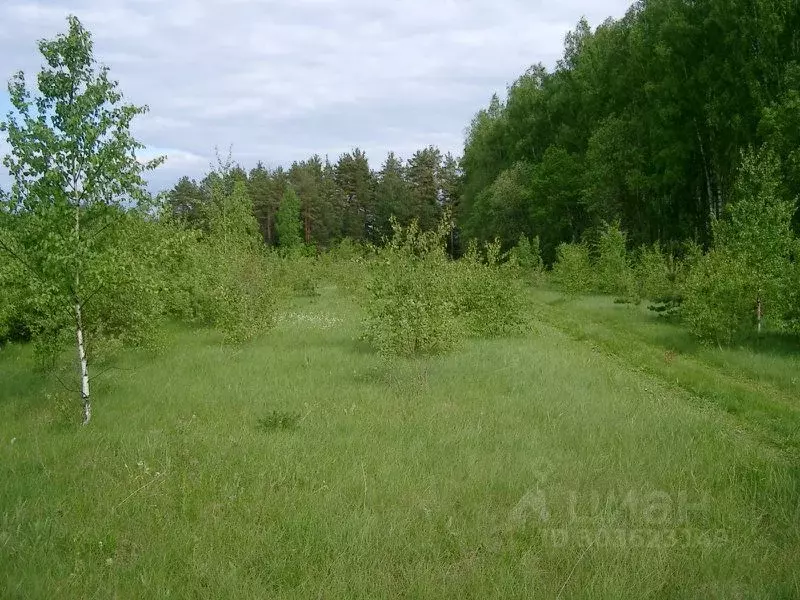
x,y
393,195
354,180
306,286
793,313
266,191
641,122
423,173
346,200
187,203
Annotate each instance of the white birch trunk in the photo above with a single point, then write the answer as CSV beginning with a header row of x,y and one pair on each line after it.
x,y
84,368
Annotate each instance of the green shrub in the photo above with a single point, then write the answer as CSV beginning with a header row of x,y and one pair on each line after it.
x,y
410,310
717,303
345,250
654,273
295,273
223,278
526,259
573,273
489,296
793,312
345,266
245,303
14,321
613,272
421,302
288,223
305,286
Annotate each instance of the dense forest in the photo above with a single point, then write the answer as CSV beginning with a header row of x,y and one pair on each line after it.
x,y
643,121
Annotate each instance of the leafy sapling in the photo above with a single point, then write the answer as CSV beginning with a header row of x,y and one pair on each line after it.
x,y
76,180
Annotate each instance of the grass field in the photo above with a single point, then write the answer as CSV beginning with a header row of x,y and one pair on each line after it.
x,y
603,455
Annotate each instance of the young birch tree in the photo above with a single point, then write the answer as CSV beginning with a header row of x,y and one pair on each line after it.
x,y
76,181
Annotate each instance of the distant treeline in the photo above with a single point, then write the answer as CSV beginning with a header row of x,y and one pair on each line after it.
x,y
342,200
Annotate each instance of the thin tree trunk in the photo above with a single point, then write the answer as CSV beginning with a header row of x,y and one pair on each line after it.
x,y
269,228
84,368
759,314
712,212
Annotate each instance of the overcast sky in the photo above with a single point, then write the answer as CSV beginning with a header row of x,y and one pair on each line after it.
x,y
283,79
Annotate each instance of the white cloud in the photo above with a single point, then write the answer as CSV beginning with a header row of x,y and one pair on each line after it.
x,y
175,159
280,79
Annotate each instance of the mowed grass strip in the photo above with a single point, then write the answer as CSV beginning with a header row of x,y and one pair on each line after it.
x,y
533,467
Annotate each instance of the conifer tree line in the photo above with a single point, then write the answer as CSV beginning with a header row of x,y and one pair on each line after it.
x,y
317,202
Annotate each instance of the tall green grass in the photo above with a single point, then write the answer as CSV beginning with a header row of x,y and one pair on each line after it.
x,y
597,457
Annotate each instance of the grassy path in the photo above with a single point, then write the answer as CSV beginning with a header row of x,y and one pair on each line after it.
x,y
760,388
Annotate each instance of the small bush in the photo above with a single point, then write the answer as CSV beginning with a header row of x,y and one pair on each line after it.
x,y
526,260
305,286
227,287
572,272
488,295
344,250
655,278
421,302
409,310
345,265
245,303
613,270
667,304
716,304
793,311
223,277
295,274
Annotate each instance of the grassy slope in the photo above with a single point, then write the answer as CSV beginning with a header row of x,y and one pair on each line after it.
x,y
580,460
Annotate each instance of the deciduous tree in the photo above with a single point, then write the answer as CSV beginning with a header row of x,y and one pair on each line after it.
x,y
76,179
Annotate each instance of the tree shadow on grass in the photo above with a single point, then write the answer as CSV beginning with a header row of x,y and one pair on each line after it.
x,y
19,375
777,343
676,337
